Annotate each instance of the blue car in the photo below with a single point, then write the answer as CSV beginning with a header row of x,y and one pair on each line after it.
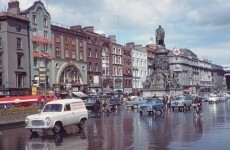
x,y
151,106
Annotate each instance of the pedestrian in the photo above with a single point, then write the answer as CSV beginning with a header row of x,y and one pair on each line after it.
x,y
107,107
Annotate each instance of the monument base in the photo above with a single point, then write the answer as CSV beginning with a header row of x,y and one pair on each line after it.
x,y
160,93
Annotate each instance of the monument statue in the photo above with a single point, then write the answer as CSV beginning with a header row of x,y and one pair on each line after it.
x,y
160,35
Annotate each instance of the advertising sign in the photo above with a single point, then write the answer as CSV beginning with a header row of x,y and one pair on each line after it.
x,y
42,75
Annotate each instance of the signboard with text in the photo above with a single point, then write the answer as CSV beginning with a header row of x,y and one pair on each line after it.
x,y
42,75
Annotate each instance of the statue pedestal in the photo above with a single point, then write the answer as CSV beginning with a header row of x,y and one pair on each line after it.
x,y
162,81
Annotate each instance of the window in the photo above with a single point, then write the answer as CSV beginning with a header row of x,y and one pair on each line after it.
x,y
67,107
73,54
119,51
73,42
119,60
114,50
90,68
35,62
66,40
1,80
57,39
35,47
66,53
45,35
34,32
114,59
95,53
19,59
34,19
19,43
96,67
46,48
81,43
18,28
20,80
81,55
45,22
90,53
57,52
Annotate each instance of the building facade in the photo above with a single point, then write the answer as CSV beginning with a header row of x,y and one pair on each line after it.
x,y
140,67
69,59
14,52
40,43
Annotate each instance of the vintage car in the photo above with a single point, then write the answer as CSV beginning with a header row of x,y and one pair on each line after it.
x,y
90,103
151,106
213,98
134,103
58,114
115,103
181,102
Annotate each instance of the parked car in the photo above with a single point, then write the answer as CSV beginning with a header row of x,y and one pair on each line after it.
x,y
181,102
134,103
151,106
213,98
115,103
58,114
90,103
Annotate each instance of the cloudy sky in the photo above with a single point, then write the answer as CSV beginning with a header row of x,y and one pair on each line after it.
x,y
202,26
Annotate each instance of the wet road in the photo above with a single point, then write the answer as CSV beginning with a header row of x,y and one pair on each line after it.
x,y
127,130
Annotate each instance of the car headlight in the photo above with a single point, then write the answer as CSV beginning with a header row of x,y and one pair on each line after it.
x,y
149,108
27,120
48,121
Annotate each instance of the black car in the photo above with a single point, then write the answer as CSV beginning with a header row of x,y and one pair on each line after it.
x,y
115,103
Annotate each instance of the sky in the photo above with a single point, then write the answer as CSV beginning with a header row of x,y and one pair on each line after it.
x,y
203,26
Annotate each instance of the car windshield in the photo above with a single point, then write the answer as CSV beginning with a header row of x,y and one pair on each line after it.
x,y
180,98
153,100
53,108
91,101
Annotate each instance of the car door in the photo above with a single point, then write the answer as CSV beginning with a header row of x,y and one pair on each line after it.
x,y
68,115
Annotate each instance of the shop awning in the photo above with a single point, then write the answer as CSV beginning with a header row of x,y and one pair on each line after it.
x,y
80,94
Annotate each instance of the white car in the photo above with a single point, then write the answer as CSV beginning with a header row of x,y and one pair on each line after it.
x,y
213,99
58,114
181,102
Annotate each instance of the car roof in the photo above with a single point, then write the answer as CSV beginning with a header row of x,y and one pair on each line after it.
x,y
65,101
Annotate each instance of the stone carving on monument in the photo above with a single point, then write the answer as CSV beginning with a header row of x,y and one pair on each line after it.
x,y
161,79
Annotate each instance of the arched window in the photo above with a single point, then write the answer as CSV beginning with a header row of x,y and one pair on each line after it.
x,y
70,74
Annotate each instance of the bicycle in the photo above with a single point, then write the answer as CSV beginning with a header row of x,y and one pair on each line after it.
x,y
197,112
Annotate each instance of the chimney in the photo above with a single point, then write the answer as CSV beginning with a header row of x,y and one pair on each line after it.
x,y
76,28
89,28
13,7
112,38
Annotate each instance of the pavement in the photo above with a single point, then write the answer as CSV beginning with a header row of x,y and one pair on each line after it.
x,y
10,121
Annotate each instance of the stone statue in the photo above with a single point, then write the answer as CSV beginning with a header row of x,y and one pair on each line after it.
x,y
160,35
147,83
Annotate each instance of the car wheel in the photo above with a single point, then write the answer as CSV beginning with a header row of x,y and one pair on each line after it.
x,y
115,107
135,106
162,110
57,127
154,111
184,108
81,124
172,108
140,113
33,132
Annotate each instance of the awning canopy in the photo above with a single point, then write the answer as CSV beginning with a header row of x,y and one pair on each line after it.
x,y
80,94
